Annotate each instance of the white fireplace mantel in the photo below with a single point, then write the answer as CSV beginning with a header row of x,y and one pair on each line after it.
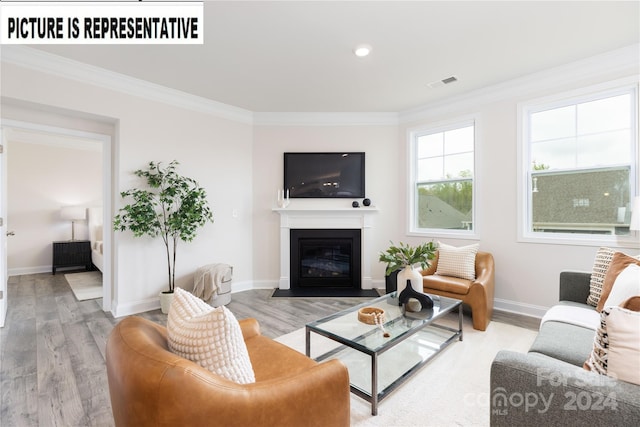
x,y
329,218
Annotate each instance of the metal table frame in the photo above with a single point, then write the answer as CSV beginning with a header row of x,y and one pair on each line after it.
x,y
375,397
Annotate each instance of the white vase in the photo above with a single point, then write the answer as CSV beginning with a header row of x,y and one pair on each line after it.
x,y
165,301
409,273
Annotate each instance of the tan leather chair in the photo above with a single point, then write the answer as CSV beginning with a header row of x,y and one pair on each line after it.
x,y
151,386
478,294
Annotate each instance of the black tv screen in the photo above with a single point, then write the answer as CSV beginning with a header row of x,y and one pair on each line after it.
x,y
324,175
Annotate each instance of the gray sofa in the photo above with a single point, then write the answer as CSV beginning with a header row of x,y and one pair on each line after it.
x,y
549,387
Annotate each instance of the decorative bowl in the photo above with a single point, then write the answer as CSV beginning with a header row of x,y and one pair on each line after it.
x,y
370,315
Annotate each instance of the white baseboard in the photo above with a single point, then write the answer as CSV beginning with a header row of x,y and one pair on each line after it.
x,y
519,308
29,270
136,307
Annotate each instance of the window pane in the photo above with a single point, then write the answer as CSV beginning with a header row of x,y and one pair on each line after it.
x,y
430,169
445,205
458,140
458,165
605,149
430,145
604,115
554,154
553,124
594,202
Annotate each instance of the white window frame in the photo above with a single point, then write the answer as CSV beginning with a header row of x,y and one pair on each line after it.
x,y
525,233
412,167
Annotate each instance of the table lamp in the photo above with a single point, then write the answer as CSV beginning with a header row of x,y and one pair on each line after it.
x,y
73,214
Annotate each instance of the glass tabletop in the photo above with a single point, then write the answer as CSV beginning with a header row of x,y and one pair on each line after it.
x,y
345,327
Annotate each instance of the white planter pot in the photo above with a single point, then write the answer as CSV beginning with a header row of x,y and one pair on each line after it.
x,y
165,301
409,273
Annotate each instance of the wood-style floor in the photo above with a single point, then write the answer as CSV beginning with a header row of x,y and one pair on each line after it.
x,y
52,369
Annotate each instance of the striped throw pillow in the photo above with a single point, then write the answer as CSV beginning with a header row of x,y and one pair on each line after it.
x,y
457,262
600,267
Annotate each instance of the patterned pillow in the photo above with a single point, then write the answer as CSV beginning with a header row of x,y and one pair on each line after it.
x,y
619,262
457,262
208,336
616,347
600,267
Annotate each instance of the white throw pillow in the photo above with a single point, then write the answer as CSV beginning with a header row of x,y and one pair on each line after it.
x,y
457,262
616,347
208,336
626,285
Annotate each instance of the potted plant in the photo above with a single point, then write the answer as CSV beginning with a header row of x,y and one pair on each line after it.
x,y
171,206
403,257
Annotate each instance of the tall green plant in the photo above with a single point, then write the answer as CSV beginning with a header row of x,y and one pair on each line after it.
x,y
172,206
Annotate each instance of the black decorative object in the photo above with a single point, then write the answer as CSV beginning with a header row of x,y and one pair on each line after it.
x,y
366,202
355,204
425,300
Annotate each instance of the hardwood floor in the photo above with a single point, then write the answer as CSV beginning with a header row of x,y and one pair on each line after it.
x,y
52,369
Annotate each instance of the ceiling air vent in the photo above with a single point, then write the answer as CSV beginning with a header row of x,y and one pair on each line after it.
x,y
442,82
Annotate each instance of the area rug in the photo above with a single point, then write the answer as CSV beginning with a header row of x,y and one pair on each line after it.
x,y
451,390
85,286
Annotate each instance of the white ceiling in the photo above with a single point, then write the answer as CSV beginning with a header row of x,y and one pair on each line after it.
x,y
296,56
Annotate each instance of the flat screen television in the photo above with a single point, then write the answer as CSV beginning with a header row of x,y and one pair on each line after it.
x,y
324,175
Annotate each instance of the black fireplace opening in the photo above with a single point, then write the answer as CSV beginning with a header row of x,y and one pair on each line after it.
x,y
325,258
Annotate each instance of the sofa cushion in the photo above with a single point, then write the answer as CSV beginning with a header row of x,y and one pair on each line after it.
x,y
457,261
600,267
579,315
208,336
616,347
563,341
619,262
446,284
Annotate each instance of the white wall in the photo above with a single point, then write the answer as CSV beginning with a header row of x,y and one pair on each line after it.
x,y
380,143
41,179
216,152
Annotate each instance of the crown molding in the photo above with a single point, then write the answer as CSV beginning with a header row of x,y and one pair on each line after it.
x,y
325,119
625,60
74,70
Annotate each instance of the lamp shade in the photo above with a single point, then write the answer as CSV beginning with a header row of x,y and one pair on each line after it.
x,y
634,224
73,213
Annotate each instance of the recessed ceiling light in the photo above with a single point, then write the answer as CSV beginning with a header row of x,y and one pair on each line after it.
x,y
362,50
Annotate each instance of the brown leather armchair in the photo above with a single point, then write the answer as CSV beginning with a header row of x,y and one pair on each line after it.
x,y
151,386
478,294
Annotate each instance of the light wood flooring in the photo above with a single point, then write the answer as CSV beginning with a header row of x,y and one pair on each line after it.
x,y
52,370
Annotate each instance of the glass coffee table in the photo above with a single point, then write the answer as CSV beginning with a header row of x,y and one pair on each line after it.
x,y
379,364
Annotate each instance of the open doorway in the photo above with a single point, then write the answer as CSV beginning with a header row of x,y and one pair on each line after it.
x,y
55,167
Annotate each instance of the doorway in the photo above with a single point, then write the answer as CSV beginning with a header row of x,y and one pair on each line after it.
x,y
55,135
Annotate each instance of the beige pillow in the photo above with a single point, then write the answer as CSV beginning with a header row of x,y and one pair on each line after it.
x,y
600,267
616,347
457,261
619,262
208,336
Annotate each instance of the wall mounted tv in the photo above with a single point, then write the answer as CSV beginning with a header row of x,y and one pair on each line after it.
x,y
324,175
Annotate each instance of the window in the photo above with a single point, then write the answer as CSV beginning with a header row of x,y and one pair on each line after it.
x,y
442,178
580,161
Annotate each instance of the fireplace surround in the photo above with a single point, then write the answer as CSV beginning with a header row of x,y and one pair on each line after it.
x,y
361,219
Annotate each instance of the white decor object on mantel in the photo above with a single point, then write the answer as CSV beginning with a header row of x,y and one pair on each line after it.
x,y
326,218
283,198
